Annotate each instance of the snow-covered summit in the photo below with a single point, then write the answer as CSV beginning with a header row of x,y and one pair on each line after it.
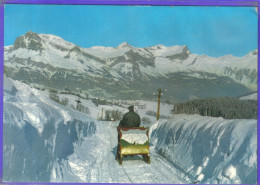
x,y
35,41
163,51
124,45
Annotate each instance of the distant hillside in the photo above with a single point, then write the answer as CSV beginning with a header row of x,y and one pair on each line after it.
x,y
226,107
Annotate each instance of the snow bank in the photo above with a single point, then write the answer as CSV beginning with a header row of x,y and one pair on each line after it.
x,y
38,133
209,150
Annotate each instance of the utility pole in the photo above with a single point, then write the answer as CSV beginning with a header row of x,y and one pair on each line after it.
x,y
159,100
102,114
78,102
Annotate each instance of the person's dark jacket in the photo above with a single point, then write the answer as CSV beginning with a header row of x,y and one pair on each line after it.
x,y
130,119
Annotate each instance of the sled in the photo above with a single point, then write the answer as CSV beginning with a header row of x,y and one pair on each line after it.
x,y
133,141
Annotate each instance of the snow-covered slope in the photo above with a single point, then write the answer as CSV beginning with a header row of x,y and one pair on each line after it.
x,y
252,96
209,150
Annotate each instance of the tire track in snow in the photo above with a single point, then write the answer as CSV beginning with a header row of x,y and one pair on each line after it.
x,y
127,175
92,172
163,169
155,179
169,168
89,176
96,171
106,163
104,168
110,162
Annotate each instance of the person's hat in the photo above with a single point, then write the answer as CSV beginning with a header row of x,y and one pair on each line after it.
x,y
131,107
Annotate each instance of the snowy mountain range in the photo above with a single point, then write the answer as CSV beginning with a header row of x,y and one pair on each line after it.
x,y
127,72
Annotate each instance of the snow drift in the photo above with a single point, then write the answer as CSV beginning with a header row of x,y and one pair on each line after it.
x,y
209,150
38,133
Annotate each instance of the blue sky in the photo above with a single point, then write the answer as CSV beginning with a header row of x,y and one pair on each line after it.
x,y
214,31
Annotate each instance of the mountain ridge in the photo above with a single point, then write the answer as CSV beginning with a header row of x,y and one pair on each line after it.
x,y
33,53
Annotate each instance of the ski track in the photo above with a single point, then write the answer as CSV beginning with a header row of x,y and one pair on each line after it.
x,y
105,169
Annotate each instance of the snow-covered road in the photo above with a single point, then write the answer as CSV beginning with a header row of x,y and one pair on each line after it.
x,y
94,161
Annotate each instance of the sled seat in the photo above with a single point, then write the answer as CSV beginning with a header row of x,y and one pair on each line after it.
x,y
133,141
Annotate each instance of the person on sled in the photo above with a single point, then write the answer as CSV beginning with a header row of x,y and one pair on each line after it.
x,y
130,119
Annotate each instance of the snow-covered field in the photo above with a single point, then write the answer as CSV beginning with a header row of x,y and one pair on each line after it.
x,y
47,142
250,97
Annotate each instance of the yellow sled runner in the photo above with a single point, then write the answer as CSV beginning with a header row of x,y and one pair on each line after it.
x,y
133,141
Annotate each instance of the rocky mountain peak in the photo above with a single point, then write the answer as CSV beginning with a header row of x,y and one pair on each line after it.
x,y
255,52
32,35
159,46
124,45
30,40
180,52
76,49
186,50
